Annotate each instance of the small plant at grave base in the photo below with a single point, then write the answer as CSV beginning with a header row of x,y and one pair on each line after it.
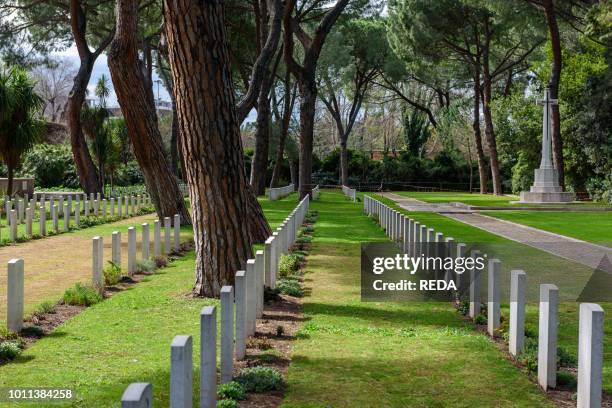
x,y
258,343
36,236
529,356
565,358
82,295
480,319
566,380
232,390
280,330
32,331
227,403
160,261
145,266
44,308
112,274
287,265
22,239
464,307
290,287
304,239
260,379
307,230
9,350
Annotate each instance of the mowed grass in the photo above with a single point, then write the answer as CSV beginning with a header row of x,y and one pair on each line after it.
x,y
540,267
356,354
588,226
485,200
124,339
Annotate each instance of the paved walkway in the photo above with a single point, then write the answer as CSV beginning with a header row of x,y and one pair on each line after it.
x,y
585,253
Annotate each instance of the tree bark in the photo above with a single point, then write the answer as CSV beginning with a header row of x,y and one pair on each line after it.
x,y
286,120
259,164
222,201
135,95
486,108
86,170
308,95
555,76
343,160
482,163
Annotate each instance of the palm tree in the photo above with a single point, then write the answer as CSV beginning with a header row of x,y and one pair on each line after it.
x,y
102,90
93,122
20,127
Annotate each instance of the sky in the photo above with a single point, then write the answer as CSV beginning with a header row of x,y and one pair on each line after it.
x,y
101,68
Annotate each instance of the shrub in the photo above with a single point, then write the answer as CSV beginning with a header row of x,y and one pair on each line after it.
x,y
161,262
287,265
304,239
9,350
480,319
464,307
226,403
232,391
529,356
82,295
260,379
44,308
565,358
566,380
290,287
145,266
270,294
280,330
112,274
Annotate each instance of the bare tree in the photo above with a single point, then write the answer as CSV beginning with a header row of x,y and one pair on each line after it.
x,y
53,81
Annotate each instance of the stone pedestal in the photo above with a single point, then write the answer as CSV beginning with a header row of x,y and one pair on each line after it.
x,y
546,189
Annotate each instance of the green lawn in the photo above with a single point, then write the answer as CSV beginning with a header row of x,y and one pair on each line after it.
x,y
483,200
355,354
540,267
588,226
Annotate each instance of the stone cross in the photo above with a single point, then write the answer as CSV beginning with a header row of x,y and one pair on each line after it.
x,y
547,102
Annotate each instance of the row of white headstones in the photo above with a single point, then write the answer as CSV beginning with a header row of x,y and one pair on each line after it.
x,y
350,192
17,213
414,238
15,272
241,306
280,192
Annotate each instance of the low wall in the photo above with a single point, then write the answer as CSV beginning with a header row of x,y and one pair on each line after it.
x,y
21,186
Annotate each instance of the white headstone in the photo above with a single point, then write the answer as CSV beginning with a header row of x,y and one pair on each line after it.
x,y
547,337
181,372
14,309
227,334
208,357
518,282
590,355
241,311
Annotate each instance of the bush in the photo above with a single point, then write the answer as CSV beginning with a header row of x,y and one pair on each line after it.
x,y
82,295
226,403
480,319
565,358
566,380
232,391
112,274
9,350
51,165
145,266
161,262
290,287
44,308
464,307
529,356
287,265
260,379
32,331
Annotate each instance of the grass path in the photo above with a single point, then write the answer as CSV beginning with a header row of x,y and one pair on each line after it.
x,y
355,354
55,263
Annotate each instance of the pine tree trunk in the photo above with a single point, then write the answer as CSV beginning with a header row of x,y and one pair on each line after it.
x,y
308,94
286,120
224,208
135,96
343,160
259,164
489,131
86,170
555,76
482,163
